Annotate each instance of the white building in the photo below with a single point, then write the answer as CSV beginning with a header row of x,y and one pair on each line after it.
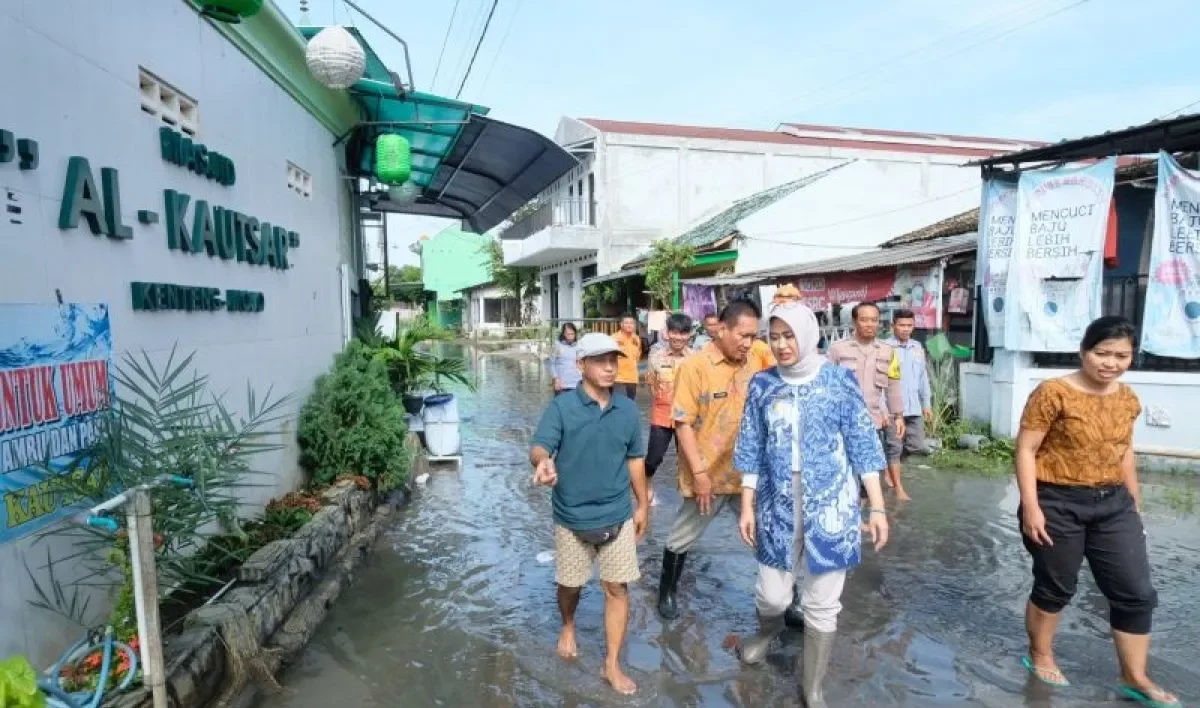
x,y
637,182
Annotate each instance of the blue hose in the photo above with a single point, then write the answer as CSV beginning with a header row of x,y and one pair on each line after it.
x,y
58,697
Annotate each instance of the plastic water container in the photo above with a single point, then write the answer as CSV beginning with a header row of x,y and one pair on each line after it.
x,y
440,418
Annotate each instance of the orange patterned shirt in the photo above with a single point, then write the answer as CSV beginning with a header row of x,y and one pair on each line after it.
x,y
1087,434
710,393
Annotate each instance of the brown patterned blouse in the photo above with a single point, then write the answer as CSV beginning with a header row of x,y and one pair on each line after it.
x,y
1087,434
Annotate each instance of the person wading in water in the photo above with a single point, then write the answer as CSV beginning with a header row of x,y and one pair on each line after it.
x,y
1080,498
918,399
805,444
710,390
589,447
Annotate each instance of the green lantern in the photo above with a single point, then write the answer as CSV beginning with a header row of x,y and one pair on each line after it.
x,y
231,11
393,159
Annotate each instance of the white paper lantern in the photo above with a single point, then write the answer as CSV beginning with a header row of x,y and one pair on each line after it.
x,y
335,58
406,193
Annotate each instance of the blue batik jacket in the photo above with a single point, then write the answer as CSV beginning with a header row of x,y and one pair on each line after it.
x,y
838,445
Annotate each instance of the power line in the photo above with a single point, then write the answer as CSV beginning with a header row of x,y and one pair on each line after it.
x,y
891,62
442,53
512,20
1181,109
487,23
967,48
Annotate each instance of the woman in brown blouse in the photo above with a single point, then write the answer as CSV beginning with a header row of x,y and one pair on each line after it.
x,y
1080,499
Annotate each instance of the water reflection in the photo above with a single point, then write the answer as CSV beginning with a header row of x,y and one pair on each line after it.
x,y
455,610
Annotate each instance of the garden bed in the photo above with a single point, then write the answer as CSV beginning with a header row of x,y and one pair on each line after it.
x,y
281,593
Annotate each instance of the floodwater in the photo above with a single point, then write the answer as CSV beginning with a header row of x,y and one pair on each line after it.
x,y
454,608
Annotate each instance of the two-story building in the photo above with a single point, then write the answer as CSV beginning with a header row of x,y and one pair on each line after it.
x,y
639,182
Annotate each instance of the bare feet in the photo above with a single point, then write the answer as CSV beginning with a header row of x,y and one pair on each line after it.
x,y
618,680
902,495
566,644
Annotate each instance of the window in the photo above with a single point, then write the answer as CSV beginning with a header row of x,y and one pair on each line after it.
x,y
591,198
552,290
299,181
493,310
167,103
587,272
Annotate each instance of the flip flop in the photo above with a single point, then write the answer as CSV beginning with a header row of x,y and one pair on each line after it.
x,y
1041,673
1145,699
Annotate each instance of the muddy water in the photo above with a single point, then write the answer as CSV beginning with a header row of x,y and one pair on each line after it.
x,y
454,609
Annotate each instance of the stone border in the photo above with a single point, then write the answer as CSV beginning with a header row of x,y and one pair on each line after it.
x,y
283,592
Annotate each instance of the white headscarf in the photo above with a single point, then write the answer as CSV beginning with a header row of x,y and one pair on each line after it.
x,y
807,332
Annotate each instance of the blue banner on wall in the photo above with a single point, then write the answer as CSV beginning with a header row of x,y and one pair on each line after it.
x,y
55,383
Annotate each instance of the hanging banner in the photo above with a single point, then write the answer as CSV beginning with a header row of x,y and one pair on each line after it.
x,y
919,288
55,383
820,291
997,222
1171,322
699,301
1054,277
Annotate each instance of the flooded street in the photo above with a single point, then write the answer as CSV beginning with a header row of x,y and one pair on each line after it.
x,y
454,608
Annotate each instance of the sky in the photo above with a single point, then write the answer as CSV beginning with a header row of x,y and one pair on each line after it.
x,y
1028,69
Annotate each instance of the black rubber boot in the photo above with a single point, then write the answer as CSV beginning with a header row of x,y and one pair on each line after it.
x,y
671,570
793,616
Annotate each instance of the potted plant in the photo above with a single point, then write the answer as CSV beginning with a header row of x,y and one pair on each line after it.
x,y
413,370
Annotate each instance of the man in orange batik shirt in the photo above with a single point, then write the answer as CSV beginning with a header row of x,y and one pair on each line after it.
x,y
665,358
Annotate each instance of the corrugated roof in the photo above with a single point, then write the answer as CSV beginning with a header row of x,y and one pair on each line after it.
x,y
723,224
952,226
919,252
1178,134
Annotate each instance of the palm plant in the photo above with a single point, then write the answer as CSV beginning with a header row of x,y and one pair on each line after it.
x,y
412,367
165,421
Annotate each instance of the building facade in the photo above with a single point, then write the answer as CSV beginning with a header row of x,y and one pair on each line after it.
x,y
452,259
638,182
148,135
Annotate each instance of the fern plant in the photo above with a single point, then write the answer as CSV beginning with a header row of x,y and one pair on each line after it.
x,y
412,367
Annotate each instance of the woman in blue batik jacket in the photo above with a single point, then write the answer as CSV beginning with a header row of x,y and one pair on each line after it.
x,y
805,443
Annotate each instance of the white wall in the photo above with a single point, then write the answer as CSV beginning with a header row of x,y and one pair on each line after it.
x,y
1163,435
854,209
72,84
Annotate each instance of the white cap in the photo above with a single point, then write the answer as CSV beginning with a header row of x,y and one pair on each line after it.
x,y
596,344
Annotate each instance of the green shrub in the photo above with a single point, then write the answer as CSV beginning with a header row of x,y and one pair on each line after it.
x,y
354,424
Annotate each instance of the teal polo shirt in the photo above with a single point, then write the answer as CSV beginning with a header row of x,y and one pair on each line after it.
x,y
591,447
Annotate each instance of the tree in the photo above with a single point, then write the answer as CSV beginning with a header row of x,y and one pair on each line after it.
x,y
667,258
402,281
518,283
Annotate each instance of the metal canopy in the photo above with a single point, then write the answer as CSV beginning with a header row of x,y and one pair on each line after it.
x,y
493,169
1173,135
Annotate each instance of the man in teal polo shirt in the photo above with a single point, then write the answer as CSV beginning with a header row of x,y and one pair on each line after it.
x,y
589,447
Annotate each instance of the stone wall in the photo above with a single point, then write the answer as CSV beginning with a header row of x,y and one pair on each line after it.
x,y
282,594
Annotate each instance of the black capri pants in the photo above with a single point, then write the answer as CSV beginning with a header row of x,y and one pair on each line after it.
x,y
1101,524
656,447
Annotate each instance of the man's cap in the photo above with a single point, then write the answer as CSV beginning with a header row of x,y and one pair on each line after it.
x,y
596,344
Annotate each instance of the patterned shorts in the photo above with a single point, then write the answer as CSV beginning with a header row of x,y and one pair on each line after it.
x,y
574,559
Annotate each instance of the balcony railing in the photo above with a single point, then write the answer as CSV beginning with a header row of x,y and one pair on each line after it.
x,y
566,211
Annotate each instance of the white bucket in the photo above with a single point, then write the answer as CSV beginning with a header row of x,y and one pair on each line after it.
x,y
440,419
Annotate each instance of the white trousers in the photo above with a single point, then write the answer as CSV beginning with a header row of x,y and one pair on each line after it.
x,y
820,594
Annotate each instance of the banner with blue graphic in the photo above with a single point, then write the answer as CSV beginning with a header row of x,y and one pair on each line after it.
x,y
1171,323
1054,277
997,226
55,383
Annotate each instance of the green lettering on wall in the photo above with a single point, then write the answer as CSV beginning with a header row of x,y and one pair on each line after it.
x,y
240,226
28,150
203,238
282,249
81,198
270,251
254,239
176,204
223,223
111,182
169,140
8,146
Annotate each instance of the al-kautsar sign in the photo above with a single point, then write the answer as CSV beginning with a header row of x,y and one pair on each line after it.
x,y
55,383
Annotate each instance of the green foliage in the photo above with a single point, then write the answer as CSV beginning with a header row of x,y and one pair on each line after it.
x,y
596,298
166,421
354,424
411,367
666,259
18,684
943,388
518,283
404,283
